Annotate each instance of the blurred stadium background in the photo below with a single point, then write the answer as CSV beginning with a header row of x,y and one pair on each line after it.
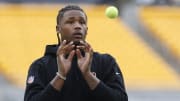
x,y
144,40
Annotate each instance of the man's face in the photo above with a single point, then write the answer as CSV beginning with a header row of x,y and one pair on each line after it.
x,y
73,26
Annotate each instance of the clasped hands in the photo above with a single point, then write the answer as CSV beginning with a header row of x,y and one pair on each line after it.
x,y
69,50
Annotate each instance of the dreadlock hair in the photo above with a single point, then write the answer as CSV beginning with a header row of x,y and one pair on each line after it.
x,y
61,14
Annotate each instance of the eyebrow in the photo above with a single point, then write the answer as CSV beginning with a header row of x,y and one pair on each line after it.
x,y
74,17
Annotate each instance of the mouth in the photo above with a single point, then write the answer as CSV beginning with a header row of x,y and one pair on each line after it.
x,y
78,35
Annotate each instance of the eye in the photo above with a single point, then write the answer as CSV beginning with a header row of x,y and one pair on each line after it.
x,y
82,22
69,22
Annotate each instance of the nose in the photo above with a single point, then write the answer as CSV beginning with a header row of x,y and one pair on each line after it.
x,y
77,25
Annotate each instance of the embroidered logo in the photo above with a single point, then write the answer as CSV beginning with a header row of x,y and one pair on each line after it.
x,y
117,73
30,79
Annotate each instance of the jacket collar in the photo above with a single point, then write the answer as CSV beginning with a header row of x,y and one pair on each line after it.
x,y
51,49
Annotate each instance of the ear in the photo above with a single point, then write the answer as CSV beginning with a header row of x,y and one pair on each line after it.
x,y
58,29
86,30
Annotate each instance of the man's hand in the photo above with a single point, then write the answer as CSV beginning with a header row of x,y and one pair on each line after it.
x,y
84,62
64,61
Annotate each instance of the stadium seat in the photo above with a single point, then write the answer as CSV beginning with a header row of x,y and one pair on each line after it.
x,y
164,24
26,29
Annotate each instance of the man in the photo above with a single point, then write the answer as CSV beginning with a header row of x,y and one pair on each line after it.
x,y
71,71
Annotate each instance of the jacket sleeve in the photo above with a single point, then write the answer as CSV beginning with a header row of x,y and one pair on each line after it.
x,y
36,87
111,88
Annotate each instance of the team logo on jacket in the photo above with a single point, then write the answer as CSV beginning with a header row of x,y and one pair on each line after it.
x,y
117,73
30,79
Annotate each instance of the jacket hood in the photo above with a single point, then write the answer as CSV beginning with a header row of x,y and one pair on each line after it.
x,y
51,49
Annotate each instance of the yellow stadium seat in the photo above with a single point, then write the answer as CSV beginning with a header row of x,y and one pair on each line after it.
x,y
26,29
164,23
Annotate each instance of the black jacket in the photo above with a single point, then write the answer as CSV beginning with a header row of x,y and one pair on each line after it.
x,y
43,70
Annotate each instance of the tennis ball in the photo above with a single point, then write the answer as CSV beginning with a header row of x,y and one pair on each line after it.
x,y
111,12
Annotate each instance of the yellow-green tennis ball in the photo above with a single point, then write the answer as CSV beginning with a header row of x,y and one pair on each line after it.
x,y
111,12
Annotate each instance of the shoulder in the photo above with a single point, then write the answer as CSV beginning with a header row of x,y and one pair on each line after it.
x,y
105,57
104,60
105,65
40,61
38,64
